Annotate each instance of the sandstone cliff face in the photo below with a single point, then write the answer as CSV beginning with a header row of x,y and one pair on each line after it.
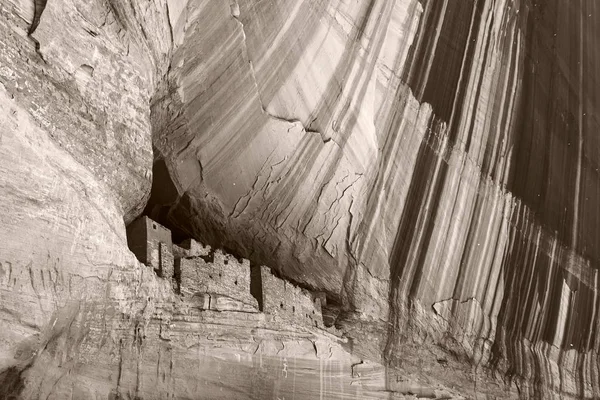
x,y
432,166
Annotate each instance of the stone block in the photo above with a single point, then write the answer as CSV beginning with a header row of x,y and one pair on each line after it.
x,y
284,300
144,237
194,249
166,262
223,276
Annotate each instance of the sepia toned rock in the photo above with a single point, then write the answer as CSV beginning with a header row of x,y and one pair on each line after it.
x,y
227,199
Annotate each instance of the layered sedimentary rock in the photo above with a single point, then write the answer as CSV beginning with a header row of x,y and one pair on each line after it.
x,y
429,167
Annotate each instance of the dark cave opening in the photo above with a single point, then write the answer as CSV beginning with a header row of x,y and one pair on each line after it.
x,y
12,383
163,195
154,222
187,218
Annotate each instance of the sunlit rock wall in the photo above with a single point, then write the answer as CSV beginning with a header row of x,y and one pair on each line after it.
x,y
431,165
270,138
75,161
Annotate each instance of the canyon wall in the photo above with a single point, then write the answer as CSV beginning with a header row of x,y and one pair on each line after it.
x,y
430,167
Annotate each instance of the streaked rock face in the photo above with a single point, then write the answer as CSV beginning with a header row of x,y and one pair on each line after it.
x,y
431,166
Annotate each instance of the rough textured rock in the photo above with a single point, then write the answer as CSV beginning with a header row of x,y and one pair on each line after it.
x,y
429,167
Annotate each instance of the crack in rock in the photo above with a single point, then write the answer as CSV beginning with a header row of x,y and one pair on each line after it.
x,y
235,13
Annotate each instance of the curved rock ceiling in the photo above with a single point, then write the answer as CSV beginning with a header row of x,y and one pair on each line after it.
x,y
431,166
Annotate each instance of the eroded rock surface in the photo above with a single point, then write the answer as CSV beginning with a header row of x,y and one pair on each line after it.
x,y
430,168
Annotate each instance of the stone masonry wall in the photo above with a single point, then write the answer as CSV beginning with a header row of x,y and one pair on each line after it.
x,y
214,280
144,237
284,300
223,276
